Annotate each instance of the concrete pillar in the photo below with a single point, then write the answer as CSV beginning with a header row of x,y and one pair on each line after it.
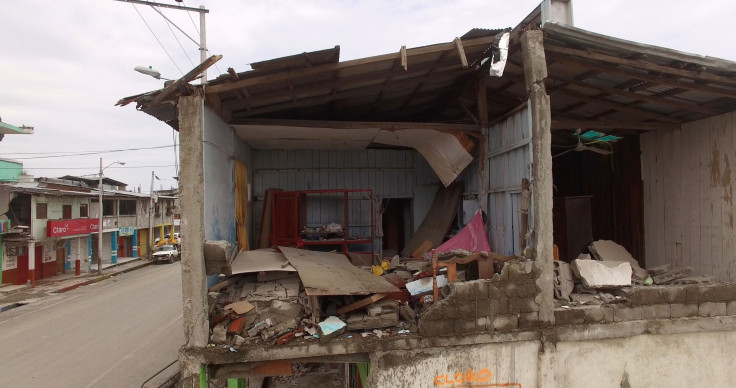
x,y
32,262
557,11
114,247
135,243
193,276
535,72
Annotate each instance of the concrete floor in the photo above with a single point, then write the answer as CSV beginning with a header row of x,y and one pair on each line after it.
x,y
114,333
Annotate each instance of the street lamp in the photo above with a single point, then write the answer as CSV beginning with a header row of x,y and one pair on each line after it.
x,y
150,71
99,227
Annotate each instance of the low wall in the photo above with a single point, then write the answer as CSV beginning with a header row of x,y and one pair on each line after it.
x,y
574,358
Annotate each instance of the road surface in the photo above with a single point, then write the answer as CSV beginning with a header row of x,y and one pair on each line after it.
x,y
114,333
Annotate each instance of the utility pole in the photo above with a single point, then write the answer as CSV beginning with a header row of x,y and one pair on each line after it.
x,y
202,34
150,222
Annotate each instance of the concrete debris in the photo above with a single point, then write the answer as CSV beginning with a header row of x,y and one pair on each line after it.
x,y
672,274
695,280
219,335
584,256
330,328
279,329
564,282
217,257
607,250
603,274
425,285
659,270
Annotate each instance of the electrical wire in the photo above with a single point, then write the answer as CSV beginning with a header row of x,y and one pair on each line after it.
x,y
189,13
85,153
156,37
82,168
175,37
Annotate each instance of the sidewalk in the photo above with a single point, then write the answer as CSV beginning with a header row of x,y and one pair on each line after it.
x,y
10,295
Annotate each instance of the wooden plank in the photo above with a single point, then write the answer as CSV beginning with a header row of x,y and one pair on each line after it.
x,y
324,273
677,219
404,61
264,238
311,71
641,64
692,132
729,245
435,225
461,52
731,255
645,144
185,79
360,304
616,106
558,124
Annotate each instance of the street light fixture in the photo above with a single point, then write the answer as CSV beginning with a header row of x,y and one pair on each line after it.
x,y
150,71
99,226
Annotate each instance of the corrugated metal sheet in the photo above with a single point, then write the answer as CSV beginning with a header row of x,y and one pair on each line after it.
x,y
688,196
389,173
509,160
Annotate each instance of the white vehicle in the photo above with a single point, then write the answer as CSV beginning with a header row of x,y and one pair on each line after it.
x,y
166,252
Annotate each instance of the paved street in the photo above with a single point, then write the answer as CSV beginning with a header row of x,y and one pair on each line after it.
x,y
114,333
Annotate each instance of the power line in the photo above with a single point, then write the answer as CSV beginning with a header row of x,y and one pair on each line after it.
x,y
174,35
197,29
156,37
83,168
81,153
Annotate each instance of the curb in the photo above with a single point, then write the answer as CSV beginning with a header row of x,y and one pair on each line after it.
x,y
15,291
100,278
10,306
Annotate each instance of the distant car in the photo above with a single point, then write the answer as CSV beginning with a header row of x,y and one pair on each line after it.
x,y
166,252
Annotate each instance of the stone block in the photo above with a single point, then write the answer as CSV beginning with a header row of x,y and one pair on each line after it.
x,y
712,309
656,311
731,308
485,308
505,322
502,305
474,290
510,289
683,310
671,294
464,309
624,314
436,328
692,294
527,288
642,296
724,292
602,274
522,305
593,314
494,292
527,320
569,316
465,326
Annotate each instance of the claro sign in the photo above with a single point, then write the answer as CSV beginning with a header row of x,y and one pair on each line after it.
x,y
58,228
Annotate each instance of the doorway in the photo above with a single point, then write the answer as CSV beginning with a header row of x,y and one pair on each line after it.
x,y
60,256
396,224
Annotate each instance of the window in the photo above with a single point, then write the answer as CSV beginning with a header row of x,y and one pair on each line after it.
x,y
127,207
41,211
108,207
83,211
66,212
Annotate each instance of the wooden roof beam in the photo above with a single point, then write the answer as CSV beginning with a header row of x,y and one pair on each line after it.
x,y
347,125
648,77
286,75
461,52
640,64
560,124
616,106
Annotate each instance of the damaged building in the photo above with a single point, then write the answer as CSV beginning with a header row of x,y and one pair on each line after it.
x,y
585,182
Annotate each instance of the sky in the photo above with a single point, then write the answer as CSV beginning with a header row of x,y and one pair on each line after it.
x,y
65,64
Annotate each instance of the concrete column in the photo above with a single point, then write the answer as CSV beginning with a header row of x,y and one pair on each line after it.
x,y
193,276
32,262
114,248
535,72
135,243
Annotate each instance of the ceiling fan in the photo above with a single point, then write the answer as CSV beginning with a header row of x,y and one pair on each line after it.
x,y
585,147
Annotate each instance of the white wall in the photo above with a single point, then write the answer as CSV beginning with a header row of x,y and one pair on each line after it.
x,y
688,196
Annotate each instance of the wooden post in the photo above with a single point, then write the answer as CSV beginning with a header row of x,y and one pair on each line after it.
x,y
535,72
434,277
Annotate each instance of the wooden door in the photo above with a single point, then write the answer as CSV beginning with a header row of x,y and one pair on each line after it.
x,y
22,273
60,258
285,219
39,262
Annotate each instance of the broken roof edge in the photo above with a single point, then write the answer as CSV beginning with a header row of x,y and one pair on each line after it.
x,y
592,39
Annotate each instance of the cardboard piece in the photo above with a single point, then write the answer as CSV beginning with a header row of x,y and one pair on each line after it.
x,y
325,273
240,307
260,260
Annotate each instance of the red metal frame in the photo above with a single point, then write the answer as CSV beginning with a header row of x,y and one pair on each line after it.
x,y
287,218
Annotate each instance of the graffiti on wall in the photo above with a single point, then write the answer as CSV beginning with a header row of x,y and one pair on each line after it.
x,y
470,378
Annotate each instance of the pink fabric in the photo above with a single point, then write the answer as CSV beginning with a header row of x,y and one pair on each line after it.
x,y
472,238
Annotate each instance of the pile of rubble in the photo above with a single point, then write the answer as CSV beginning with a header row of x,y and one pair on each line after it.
x,y
594,277
275,296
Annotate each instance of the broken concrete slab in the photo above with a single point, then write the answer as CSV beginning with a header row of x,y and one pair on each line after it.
x,y
602,274
607,250
564,282
330,328
672,274
368,322
217,257
425,285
